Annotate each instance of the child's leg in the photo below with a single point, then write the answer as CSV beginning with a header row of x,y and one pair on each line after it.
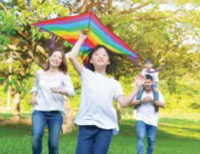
x,y
155,92
155,87
102,141
139,95
155,95
86,139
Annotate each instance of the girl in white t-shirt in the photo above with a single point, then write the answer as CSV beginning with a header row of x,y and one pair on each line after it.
x,y
97,118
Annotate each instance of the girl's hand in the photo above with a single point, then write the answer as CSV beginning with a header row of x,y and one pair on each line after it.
x,y
83,34
60,90
139,81
33,100
56,90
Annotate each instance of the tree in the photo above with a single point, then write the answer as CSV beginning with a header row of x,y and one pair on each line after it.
x,y
154,29
23,43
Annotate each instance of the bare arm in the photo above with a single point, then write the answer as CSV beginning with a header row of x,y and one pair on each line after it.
x,y
60,91
136,102
127,100
73,54
34,98
144,100
34,90
149,99
64,92
160,104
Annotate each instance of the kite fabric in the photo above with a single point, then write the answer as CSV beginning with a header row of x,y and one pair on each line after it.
x,y
98,34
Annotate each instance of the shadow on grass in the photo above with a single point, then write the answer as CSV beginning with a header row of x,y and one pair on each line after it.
x,y
128,127
5,116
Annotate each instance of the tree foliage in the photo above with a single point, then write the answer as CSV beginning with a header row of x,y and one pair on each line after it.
x,y
166,31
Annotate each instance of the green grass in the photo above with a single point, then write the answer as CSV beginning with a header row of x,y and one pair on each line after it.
x,y
175,136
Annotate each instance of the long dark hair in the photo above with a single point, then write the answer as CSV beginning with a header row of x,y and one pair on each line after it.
x,y
110,55
63,65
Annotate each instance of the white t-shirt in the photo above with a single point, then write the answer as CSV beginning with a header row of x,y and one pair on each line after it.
x,y
146,112
46,99
153,74
96,106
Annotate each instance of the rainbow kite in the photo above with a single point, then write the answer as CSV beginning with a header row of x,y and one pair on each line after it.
x,y
68,28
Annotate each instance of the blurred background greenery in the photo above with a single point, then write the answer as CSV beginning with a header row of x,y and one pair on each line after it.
x,y
166,31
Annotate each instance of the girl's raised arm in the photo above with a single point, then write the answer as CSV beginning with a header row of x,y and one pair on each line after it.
x,y
73,54
126,101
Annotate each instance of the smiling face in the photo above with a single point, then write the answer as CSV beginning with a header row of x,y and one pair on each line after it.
x,y
55,59
148,84
100,58
148,66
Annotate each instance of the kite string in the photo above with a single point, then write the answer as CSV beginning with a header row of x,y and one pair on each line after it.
x,y
52,41
52,38
158,70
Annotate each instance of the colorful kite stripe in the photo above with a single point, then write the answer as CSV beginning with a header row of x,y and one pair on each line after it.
x,y
68,29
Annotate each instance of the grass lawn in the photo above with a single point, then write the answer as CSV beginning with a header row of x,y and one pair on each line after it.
x,y
175,136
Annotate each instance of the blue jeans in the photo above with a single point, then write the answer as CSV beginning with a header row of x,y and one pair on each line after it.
x,y
54,121
93,140
143,130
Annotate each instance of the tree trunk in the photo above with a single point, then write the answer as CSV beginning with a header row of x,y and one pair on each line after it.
x,y
8,99
68,123
109,5
16,109
83,8
10,61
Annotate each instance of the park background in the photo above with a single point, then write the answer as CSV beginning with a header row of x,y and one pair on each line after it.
x,y
165,30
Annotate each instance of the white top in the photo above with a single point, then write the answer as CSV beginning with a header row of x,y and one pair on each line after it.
x,y
154,74
146,111
46,99
96,106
